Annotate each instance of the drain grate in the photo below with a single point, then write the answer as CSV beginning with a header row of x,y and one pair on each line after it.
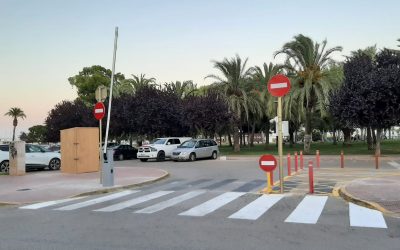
x,y
24,189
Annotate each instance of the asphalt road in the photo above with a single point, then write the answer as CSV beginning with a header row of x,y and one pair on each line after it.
x,y
198,222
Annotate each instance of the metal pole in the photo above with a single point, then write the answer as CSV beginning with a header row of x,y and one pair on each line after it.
x,y
280,151
111,89
101,155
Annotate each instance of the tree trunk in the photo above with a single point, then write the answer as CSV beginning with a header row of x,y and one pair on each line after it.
x,y
230,140
253,129
220,140
240,137
307,136
369,139
291,139
236,145
378,142
346,136
373,138
13,139
267,127
334,137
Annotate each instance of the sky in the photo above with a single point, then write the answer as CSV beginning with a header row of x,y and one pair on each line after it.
x,y
43,42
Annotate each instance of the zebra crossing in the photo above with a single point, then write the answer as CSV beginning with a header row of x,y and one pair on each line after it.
x,y
204,202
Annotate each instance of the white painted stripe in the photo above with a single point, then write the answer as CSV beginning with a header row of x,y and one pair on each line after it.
x,y
50,203
280,85
213,204
97,200
365,217
98,111
257,208
268,163
133,202
309,210
394,164
171,202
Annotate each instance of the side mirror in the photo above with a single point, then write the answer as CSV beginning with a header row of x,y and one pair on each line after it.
x,y
168,143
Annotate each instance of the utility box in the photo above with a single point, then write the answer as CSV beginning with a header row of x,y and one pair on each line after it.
x,y
80,150
17,158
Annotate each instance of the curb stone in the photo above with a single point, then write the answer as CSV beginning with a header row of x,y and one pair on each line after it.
x,y
102,191
364,203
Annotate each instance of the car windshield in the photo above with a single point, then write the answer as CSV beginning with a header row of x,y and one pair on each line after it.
x,y
188,144
159,141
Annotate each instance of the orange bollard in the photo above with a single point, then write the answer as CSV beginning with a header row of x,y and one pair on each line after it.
x,y
341,159
296,162
301,160
317,160
288,164
311,177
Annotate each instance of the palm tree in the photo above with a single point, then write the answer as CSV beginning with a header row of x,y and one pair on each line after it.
x,y
232,84
181,89
15,113
261,77
312,81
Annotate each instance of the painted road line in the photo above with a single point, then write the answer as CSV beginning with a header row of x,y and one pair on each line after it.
x,y
213,204
133,202
309,210
171,202
278,85
394,164
50,203
257,208
97,200
365,217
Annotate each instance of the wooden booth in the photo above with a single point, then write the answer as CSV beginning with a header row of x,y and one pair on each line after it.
x,y
80,150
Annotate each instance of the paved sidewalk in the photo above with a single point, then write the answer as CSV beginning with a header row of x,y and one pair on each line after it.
x,y
44,186
380,193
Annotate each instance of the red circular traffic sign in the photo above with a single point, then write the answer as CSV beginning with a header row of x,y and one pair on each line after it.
x,y
99,110
267,163
279,85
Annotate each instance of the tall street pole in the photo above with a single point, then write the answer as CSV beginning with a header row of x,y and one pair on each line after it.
x,y
280,151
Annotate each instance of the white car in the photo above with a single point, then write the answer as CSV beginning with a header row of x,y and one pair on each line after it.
x,y
160,149
36,157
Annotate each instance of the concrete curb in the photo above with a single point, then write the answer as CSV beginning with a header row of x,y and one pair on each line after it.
x,y
102,191
364,203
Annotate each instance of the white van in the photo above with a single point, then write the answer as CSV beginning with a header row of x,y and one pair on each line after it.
x,y
160,148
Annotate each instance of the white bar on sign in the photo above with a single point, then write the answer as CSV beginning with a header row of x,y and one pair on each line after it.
x,y
98,111
268,163
280,85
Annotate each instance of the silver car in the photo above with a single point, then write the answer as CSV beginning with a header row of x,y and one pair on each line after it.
x,y
196,149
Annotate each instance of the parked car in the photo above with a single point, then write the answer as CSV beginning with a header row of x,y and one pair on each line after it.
x,y
36,157
161,148
122,152
195,149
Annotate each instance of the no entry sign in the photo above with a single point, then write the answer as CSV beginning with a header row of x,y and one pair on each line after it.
x,y
99,110
279,85
267,163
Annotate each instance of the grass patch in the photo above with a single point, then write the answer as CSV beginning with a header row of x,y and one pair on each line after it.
x,y
388,147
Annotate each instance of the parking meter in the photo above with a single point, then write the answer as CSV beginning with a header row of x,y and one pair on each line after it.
x,y
108,169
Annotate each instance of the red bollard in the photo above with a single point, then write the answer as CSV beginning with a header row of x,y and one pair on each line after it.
x,y
376,161
296,162
341,159
288,164
311,177
317,154
301,160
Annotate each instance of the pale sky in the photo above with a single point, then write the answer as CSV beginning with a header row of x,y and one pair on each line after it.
x,y
44,42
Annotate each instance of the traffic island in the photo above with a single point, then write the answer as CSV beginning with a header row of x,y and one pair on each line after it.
x,y
377,193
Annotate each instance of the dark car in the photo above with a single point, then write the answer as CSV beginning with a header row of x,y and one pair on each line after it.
x,y
122,152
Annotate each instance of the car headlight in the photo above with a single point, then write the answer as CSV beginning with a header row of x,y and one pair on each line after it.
x,y
153,149
184,153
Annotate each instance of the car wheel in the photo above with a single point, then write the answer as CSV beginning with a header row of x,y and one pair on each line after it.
x,y
161,156
5,167
121,157
54,164
192,157
143,160
214,155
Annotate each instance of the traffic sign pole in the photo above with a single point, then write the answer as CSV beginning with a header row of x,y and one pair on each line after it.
x,y
280,144
101,154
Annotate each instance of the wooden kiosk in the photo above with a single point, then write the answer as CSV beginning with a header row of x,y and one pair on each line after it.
x,y
80,150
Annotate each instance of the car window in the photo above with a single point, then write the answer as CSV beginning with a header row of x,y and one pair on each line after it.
x,y
213,143
159,141
4,147
188,144
177,141
202,144
34,149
